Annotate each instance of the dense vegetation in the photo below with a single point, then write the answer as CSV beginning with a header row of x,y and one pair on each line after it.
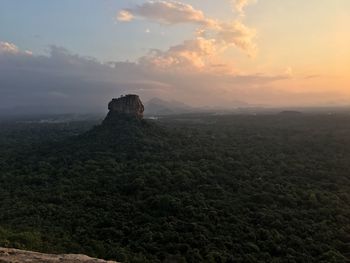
x,y
271,188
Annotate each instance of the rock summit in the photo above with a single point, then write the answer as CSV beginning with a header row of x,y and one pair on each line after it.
x,y
125,106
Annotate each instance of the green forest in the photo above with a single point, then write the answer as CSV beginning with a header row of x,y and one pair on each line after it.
x,y
190,188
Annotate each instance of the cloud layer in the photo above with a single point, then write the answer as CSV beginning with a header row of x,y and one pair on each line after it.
x,y
211,38
67,82
191,71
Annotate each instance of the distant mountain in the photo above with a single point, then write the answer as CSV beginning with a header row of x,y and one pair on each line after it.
x,y
158,106
290,112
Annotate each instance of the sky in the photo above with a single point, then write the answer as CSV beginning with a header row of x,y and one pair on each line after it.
x,y
67,56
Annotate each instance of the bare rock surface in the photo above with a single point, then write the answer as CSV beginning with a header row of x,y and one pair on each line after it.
x,y
128,105
9,255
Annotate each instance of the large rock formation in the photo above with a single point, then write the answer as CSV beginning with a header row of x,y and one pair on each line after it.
x,y
18,256
125,106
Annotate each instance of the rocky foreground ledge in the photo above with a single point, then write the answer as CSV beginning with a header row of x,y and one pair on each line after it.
x,y
9,255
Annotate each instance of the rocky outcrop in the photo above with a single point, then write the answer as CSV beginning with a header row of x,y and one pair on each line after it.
x,y
125,106
8,255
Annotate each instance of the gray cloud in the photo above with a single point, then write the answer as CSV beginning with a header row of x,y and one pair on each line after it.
x,y
59,80
65,82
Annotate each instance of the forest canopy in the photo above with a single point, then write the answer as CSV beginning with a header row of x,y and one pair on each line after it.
x,y
193,188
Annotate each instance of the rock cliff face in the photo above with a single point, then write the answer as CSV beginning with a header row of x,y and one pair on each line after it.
x,y
8,255
129,106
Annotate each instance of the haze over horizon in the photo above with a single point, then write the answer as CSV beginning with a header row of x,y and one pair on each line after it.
x,y
76,55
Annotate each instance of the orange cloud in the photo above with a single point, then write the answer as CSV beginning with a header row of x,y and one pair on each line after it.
x,y
6,47
10,48
239,5
125,16
238,35
211,38
191,54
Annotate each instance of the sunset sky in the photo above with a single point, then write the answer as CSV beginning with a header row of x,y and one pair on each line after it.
x,y
76,55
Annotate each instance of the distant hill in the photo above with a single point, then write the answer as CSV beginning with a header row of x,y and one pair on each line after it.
x,y
158,106
290,113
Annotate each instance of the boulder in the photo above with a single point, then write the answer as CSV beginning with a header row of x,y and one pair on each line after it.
x,y
18,256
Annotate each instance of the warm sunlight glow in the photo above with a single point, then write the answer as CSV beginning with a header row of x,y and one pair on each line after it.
x,y
271,52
